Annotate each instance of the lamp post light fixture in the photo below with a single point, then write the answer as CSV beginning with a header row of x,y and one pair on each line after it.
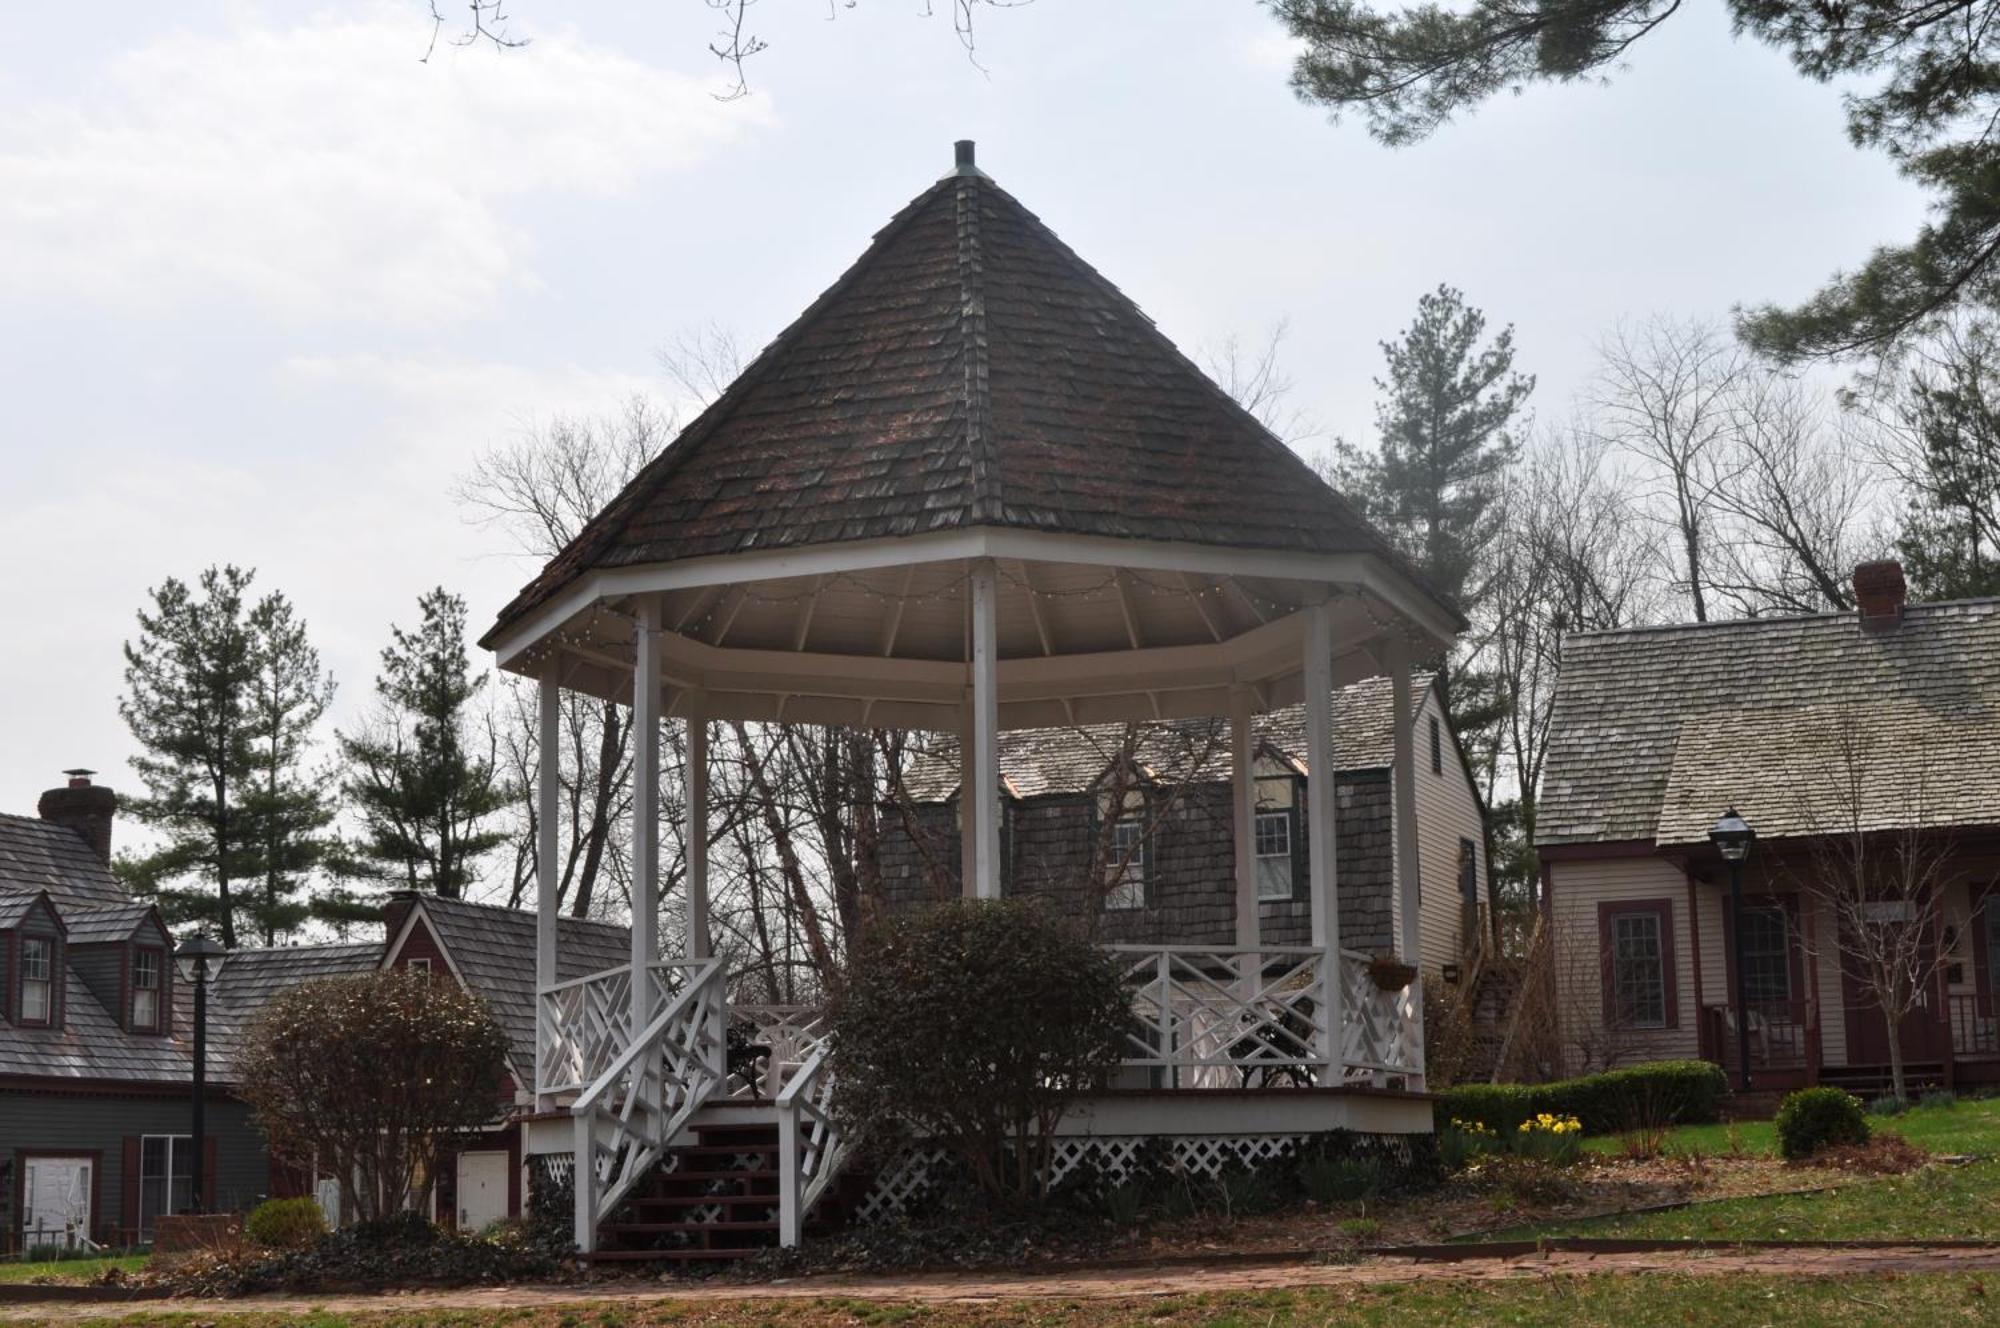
x,y
198,960
1732,837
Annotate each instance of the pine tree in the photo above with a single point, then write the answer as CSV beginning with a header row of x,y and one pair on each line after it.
x,y
1445,445
424,799
1950,541
286,808
222,697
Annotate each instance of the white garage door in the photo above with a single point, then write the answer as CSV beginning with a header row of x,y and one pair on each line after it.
x,y
55,1200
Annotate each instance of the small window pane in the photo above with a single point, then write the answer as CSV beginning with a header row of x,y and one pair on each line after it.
x,y
1767,961
146,989
1128,846
1274,856
1638,969
37,988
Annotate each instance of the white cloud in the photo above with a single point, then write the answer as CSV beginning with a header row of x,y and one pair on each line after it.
x,y
320,171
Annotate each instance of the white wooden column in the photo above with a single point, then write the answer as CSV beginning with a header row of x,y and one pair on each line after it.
x,y
1243,803
1409,880
694,832
548,793
968,830
985,779
1321,837
645,810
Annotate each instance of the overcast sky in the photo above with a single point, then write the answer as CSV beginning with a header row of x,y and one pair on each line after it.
x,y
268,283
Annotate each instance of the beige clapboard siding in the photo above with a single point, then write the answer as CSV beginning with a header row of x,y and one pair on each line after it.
x,y
1712,901
1576,888
1447,811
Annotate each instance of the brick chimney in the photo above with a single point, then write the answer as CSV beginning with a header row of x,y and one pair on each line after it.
x,y
84,807
1879,593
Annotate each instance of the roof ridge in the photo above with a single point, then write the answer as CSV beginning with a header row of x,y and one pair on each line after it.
x,y
513,912
1920,607
982,459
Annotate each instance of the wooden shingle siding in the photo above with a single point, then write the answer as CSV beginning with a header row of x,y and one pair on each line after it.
x,y
1190,888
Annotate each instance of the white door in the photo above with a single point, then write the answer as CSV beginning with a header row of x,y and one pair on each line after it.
x,y
482,1190
55,1200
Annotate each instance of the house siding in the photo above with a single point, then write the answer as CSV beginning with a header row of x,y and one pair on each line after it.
x,y
1448,811
1577,887
1190,888
41,1121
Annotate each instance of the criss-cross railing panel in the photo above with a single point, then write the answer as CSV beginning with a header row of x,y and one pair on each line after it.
x,y
786,1037
583,1024
1379,1028
1226,1017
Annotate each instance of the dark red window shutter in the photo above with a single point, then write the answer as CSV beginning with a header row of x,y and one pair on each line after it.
x,y
128,1197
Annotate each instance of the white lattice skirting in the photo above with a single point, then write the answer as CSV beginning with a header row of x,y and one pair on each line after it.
x,y
906,1176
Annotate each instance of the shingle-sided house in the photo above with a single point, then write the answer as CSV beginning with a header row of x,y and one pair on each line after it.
x,y
95,1065
1877,729
1164,869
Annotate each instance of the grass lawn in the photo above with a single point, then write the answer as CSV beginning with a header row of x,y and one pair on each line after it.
x,y
1966,1127
1936,1203
68,1270
1652,1300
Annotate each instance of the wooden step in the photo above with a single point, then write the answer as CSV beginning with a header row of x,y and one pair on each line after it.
x,y
632,1228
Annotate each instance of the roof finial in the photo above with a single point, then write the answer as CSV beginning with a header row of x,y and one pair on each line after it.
x,y
962,156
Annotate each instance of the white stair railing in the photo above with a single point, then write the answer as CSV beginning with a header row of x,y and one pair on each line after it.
x,y
789,1035
630,1114
583,1024
811,1145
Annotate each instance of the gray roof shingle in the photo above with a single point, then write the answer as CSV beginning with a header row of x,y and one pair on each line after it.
x,y
37,855
1656,730
493,949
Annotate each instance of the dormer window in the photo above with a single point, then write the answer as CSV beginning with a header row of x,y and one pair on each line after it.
x,y
146,969
38,963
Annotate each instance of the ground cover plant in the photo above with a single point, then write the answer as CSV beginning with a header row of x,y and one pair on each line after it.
x,y
70,1270
392,1252
1939,1124
1656,1300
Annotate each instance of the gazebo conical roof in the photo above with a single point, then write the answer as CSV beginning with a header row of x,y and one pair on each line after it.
x,y
969,373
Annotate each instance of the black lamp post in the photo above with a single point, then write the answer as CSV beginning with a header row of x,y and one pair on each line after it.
x,y
1732,837
199,961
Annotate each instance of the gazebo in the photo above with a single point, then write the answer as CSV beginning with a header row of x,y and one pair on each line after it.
x,y
972,488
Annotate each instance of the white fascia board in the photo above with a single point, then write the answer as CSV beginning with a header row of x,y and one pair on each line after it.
x,y
1361,570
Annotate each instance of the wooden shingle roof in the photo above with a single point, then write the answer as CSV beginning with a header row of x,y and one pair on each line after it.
x,y
968,370
40,855
1656,730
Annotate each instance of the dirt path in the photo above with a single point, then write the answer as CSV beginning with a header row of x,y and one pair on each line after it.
x,y
1117,1283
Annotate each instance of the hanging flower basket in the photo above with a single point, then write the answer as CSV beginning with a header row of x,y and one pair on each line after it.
x,y
1390,973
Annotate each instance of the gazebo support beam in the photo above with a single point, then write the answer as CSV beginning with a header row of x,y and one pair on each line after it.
x,y
645,808
1403,774
547,847
1321,836
985,781
1243,802
695,832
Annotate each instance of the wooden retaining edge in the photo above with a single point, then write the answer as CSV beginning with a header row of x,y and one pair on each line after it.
x,y
77,1293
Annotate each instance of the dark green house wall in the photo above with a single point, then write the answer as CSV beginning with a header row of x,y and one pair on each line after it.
x,y
38,1121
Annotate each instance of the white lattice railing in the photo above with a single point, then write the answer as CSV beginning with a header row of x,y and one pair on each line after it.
x,y
631,1112
1231,1017
811,1145
786,1036
1381,1031
583,1024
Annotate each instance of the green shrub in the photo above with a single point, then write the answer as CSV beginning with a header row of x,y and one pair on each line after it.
x,y
1330,1180
1656,1094
1816,1118
1887,1105
285,1224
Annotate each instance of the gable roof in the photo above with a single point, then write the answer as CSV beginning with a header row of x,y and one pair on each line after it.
x,y
968,370
1656,730
39,855
1035,762
493,950
115,922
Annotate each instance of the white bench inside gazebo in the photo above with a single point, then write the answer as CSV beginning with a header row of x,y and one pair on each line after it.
x,y
894,570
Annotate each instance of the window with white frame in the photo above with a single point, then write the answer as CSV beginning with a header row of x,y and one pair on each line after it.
x,y
1274,855
166,1178
1128,847
146,968
418,965
37,979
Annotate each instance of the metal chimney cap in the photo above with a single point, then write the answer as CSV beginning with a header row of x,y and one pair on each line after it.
x,y
964,159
